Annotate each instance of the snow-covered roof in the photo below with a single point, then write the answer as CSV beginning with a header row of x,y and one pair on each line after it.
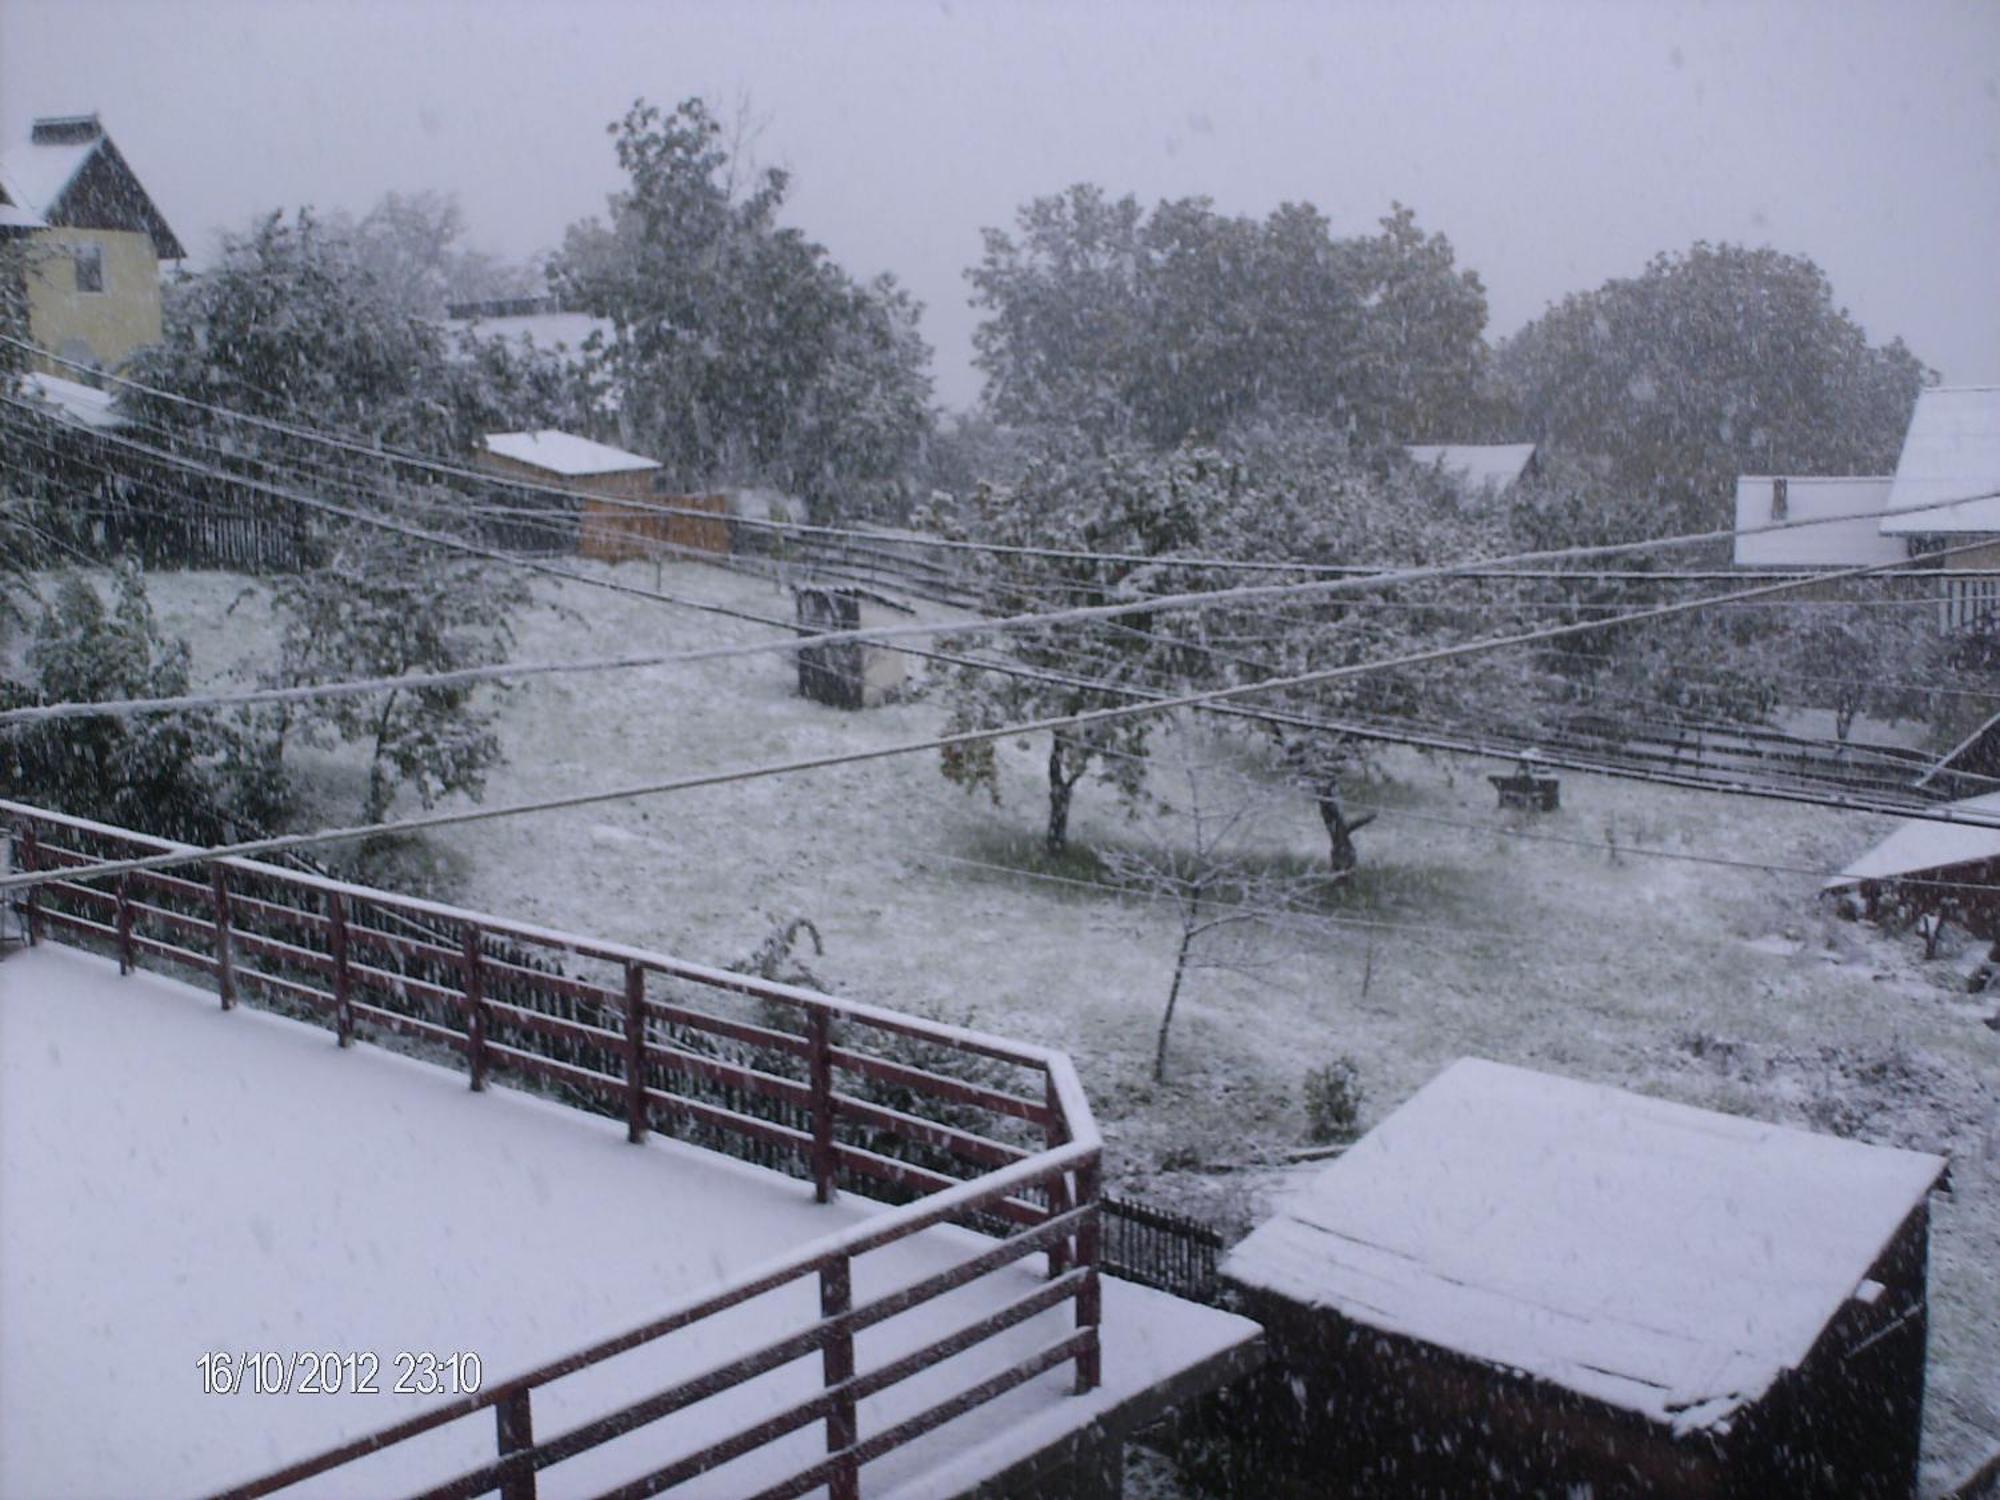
x,y
1851,543
1664,1259
1921,844
79,403
1949,472
1475,467
37,174
13,213
566,454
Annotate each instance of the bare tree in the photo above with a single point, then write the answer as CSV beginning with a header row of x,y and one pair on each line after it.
x,y
1210,866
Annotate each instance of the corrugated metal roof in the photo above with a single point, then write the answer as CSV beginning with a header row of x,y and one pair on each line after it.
x,y
566,454
1948,478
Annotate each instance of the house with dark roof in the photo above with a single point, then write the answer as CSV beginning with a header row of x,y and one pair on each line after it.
x,y
94,240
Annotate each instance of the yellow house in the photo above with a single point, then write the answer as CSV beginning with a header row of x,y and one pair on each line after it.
x,y
94,243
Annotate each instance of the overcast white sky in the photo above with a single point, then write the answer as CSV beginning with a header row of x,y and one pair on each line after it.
x,y
1557,144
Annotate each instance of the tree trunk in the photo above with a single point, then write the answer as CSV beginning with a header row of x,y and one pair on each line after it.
x,y
1060,788
1339,832
1173,999
380,792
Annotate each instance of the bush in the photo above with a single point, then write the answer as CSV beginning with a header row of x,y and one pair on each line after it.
x,y
1333,1100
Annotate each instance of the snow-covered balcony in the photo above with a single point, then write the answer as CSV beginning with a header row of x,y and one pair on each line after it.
x,y
242,1258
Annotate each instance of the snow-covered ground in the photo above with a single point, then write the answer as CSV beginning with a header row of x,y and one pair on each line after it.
x,y
1721,986
177,1182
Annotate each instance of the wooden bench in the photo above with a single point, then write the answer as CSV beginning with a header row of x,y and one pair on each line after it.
x,y
1529,793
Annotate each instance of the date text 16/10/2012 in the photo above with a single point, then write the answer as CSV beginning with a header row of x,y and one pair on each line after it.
x,y
332,1372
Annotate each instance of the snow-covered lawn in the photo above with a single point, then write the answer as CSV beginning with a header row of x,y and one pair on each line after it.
x,y
179,1182
1716,985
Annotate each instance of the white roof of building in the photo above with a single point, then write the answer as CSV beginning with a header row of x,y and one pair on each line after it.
x,y
566,454
1949,472
1667,1260
1834,544
36,174
79,403
1475,467
14,214
1921,844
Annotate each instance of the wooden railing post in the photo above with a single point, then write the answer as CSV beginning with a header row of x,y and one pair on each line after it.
x,y
819,1036
514,1419
1056,1134
636,1117
225,945
126,959
836,1295
1089,1296
31,860
475,1009
336,945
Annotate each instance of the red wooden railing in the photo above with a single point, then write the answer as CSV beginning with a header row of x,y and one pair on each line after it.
x,y
1028,1158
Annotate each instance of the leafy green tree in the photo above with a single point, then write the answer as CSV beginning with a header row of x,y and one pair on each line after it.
x,y
384,606
1714,362
740,350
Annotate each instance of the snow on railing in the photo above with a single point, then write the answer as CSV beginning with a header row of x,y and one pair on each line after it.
x,y
807,1080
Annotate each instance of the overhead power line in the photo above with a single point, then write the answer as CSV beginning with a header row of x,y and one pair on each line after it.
x,y
963,738
1073,615
383,453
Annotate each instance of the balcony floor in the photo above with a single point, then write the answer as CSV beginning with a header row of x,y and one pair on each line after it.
x,y
178,1181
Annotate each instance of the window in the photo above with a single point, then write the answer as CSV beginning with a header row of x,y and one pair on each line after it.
x,y
1780,500
89,261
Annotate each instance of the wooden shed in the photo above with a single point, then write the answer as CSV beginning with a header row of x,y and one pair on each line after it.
x,y
1520,1284
1942,869
635,519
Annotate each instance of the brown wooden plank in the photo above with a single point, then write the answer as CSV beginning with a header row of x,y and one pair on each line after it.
x,y
952,1090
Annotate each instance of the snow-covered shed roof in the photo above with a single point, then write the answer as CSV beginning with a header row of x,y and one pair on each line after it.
x,y
1923,844
1837,544
1948,477
69,173
566,454
85,405
1475,467
1664,1259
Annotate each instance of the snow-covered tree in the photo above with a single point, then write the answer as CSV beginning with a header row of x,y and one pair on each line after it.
x,y
411,245
384,606
1139,506
294,324
1714,362
1209,864
1182,323
173,775
740,350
